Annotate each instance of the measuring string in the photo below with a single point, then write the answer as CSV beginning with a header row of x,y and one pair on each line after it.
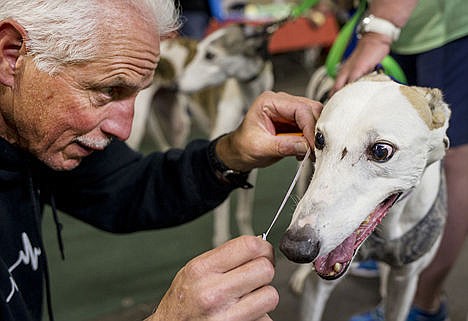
x,y
288,193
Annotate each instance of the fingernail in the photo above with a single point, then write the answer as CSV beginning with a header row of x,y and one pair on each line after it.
x,y
301,148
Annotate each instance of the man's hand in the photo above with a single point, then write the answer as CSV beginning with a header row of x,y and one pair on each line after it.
x,y
229,283
256,142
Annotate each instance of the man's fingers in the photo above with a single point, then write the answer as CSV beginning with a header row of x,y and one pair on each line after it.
x,y
287,113
235,253
285,107
255,305
249,277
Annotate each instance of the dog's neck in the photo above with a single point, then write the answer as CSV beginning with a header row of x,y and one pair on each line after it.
x,y
254,76
258,83
415,242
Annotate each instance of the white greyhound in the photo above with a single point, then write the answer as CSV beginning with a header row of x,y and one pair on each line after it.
x,y
378,178
236,57
159,109
216,81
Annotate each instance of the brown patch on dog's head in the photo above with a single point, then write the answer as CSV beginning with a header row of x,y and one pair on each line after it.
x,y
428,103
165,71
191,46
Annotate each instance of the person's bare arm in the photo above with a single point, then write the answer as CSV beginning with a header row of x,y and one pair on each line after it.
x,y
373,47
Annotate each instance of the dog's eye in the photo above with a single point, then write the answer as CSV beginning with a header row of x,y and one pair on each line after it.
x,y
319,141
381,152
209,55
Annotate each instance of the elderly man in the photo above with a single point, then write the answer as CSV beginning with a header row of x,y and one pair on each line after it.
x,y
69,75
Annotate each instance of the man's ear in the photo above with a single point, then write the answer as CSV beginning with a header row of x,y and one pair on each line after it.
x,y
12,46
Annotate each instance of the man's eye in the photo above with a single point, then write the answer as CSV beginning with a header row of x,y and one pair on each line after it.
x,y
102,96
110,92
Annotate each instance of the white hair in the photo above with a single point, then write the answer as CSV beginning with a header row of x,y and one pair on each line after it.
x,y
61,32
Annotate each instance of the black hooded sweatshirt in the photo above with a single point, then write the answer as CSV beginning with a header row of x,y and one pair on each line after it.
x,y
116,190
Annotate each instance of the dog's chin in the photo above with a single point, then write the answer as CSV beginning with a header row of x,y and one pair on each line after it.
x,y
335,264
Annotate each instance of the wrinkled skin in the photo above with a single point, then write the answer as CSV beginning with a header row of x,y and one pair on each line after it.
x,y
65,117
228,283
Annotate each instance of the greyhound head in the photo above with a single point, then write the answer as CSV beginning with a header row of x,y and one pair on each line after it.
x,y
373,141
176,53
236,51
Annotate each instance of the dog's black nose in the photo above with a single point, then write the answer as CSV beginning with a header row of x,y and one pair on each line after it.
x,y
300,245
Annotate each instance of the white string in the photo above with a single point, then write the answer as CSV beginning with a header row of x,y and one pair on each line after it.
x,y
288,193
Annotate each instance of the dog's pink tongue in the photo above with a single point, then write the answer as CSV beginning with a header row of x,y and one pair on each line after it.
x,y
341,254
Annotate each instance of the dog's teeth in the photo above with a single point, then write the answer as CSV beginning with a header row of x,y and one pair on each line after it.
x,y
337,267
367,220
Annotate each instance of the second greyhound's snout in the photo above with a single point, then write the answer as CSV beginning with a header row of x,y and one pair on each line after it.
x,y
300,245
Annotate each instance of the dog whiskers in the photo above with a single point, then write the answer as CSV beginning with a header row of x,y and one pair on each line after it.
x,y
295,199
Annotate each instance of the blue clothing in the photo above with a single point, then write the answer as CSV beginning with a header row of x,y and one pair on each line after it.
x,y
195,24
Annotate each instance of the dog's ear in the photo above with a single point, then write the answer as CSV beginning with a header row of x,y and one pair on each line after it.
x,y
263,30
433,110
440,120
191,46
257,37
255,40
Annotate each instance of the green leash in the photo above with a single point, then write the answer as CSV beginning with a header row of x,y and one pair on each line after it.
x,y
335,55
393,69
338,48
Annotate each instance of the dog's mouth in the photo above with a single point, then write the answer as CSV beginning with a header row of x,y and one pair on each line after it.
x,y
334,264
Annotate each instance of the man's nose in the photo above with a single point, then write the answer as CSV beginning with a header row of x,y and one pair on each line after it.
x,y
118,122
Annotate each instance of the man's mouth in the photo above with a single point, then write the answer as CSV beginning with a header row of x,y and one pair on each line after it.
x,y
334,264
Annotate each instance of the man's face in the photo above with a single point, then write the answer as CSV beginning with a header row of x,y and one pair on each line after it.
x,y
63,118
